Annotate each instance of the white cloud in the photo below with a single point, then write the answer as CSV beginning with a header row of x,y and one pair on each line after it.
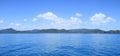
x,y
25,20
1,21
34,19
15,24
100,18
65,23
78,14
48,16
58,22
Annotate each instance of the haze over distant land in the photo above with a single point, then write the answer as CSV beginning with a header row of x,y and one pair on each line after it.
x,y
60,14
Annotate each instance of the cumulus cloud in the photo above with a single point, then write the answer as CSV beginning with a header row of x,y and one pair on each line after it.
x,y
48,16
100,18
1,21
58,22
78,14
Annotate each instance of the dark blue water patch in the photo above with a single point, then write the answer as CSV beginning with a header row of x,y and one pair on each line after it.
x,y
77,51
7,50
88,51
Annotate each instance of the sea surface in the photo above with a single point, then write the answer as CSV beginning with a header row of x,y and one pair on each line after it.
x,y
60,44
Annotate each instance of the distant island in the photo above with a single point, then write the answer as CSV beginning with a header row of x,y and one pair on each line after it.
x,y
11,30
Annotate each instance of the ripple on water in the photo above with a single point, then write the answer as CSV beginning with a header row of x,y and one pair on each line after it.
x,y
13,49
19,50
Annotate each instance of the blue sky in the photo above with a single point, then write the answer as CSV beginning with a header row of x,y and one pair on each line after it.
x,y
59,14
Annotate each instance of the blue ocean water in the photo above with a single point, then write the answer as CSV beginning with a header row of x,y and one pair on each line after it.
x,y
59,44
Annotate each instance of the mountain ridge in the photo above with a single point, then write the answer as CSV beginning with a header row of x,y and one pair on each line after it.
x,y
11,30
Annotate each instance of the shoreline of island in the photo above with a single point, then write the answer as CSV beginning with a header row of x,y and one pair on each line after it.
x,y
84,31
